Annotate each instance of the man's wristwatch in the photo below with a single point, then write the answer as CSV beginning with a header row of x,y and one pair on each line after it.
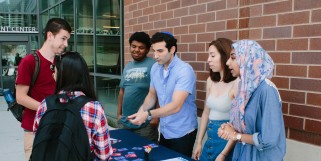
x,y
238,137
149,115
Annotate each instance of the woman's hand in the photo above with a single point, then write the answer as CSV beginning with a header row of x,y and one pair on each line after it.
x,y
197,152
226,131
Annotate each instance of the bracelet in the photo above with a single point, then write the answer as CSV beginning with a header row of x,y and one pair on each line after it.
x,y
223,154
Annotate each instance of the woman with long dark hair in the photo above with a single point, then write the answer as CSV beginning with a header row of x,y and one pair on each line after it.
x,y
220,89
73,79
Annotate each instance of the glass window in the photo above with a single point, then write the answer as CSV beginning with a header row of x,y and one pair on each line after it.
x,y
108,55
86,49
30,21
44,19
11,54
4,6
54,12
71,44
108,17
107,92
13,20
47,4
108,37
34,43
67,13
30,6
18,20
85,32
85,18
4,19
18,6
43,4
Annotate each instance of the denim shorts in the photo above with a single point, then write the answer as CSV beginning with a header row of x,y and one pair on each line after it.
x,y
214,144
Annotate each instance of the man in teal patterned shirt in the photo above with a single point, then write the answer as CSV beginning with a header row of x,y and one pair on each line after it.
x,y
134,86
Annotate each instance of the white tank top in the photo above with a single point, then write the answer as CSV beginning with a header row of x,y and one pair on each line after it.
x,y
219,107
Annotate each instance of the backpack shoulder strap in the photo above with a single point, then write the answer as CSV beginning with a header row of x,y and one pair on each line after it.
x,y
76,104
80,101
53,102
37,68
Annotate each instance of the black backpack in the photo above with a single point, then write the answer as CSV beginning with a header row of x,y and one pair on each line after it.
x,y
61,135
15,108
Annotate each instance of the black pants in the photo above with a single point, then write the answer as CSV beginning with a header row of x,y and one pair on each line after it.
x,y
183,145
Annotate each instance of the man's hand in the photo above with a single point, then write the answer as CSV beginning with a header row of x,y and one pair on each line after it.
x,y
138,118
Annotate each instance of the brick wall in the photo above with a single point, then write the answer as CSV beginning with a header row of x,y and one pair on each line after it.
x,y
290,30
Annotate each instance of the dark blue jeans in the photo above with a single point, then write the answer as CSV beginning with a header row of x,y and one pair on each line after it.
x,y
183,145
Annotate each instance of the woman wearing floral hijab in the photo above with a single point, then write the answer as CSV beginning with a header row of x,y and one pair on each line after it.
x,y
256,120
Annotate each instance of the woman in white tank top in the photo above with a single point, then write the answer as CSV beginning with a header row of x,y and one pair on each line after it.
x,y
220,91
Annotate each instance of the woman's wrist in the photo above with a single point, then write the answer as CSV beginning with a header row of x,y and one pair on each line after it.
x,y
223,154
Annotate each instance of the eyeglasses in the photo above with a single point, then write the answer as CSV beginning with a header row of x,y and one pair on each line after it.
x,y
52,67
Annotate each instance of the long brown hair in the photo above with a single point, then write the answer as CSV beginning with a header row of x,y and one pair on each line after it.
x,y
224,47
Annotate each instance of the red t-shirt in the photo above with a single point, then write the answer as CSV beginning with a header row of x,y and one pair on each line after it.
x,y
43,87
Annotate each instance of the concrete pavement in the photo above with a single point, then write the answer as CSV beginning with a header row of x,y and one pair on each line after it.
x,y
11,135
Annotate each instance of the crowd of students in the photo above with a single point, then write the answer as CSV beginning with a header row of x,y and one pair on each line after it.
x,y
242,114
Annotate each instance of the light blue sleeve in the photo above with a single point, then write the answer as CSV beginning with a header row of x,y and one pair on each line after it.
x,y
186,80
272,120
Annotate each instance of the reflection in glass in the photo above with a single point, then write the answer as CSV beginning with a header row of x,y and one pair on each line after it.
x,y
47,4
44,18
34,43
108,55
108,17
11,55
67,13
54,12
30,20
18,6
71,45
85,17
13,20
85,48
18,20
108,40
107,90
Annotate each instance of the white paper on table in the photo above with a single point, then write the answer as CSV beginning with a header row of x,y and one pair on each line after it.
x,y
175,159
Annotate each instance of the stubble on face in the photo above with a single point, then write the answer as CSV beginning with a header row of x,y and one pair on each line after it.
x,y
161,53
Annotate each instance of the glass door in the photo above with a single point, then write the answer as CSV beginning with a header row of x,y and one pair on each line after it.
x,y
11,54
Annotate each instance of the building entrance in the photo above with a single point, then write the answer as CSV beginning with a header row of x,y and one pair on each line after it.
x,y
11,54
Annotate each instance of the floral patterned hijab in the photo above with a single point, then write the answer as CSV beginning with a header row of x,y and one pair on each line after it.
x,y
255,66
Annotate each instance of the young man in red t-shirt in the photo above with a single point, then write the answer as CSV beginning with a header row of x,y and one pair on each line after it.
x,y
57,33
